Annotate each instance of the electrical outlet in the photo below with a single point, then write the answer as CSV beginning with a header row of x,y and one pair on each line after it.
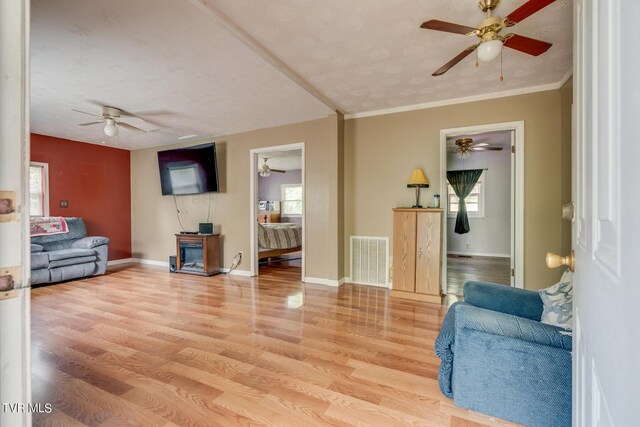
x,y
468,246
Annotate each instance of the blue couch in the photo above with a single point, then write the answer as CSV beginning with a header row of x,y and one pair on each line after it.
x,y
497,358
67,256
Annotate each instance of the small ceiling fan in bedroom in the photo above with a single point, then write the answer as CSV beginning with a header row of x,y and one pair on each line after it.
x,y
488,31
464,147
113,118
265,171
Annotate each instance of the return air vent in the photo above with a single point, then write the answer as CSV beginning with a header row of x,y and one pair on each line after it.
x,y
370,260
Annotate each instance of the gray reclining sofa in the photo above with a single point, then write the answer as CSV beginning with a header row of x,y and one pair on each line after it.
x,y
59,257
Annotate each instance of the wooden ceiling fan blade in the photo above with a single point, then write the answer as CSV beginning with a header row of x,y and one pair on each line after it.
x,y
479,144
131,127
486,148
454,61
277,170
526,10
447,27
91,123
527,45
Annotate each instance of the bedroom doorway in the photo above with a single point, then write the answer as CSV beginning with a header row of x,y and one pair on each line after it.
x,y
487,164
277,211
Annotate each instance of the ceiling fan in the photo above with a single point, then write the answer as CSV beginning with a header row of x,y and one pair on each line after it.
x,y
464,147
488,30
265,171
112,117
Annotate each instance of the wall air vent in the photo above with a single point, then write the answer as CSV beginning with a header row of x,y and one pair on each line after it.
x,y
370,260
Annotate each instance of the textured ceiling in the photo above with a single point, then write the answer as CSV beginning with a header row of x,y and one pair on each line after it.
x,y
285,160
371,54
169,57
152,55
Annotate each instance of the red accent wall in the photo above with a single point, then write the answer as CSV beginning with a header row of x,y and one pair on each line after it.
x,y
96,180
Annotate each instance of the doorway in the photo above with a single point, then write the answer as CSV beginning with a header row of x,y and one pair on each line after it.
x,y
488,246
277,211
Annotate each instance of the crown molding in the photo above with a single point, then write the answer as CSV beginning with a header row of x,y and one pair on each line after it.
x,y
463,100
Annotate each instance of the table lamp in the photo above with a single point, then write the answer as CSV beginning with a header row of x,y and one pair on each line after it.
x,y
418,180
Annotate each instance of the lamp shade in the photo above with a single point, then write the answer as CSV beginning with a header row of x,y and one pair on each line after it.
x,y
418,179
489,50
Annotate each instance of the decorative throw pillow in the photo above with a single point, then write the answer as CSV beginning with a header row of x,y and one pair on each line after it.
x,y
557,303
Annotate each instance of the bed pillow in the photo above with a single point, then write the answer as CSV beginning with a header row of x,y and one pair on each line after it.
x,y
557,303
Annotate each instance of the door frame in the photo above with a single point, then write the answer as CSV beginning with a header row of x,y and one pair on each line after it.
x,y
253,201
517,160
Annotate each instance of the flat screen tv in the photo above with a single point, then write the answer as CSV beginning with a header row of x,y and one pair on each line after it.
x,y
190,170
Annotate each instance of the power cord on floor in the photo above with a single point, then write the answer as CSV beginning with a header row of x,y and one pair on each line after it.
x,y
236,262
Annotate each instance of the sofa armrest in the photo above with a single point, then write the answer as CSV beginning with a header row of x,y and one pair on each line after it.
x,y
506,325
90,242
504,299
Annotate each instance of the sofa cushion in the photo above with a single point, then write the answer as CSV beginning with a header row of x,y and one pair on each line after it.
x,y
557,303
70,253
90,242
72,261
72,271
39,260
40,276
36,248
77,230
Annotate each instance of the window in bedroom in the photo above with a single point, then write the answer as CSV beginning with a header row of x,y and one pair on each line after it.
x,y
38,189
291,200
474,201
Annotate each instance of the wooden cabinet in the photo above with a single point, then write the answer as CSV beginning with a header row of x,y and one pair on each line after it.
x,y
268,216
198,254
417,253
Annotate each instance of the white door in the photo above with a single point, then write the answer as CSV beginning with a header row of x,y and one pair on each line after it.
x,y
15,367
606,176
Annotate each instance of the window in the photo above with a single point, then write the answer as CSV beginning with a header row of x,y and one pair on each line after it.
x,y
474,201
39,189
291,200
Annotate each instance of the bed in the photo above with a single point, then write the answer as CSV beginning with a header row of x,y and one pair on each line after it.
x,y
275,239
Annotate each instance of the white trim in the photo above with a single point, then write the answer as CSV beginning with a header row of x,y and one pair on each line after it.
x,y
242,273
465,99
150,262
45,166
326,282
479,254
375,285
253,201
120,261
518,127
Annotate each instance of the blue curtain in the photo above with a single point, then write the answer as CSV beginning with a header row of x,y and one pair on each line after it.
x,y
462,183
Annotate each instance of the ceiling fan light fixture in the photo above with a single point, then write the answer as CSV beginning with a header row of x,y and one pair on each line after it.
x,y
489,50
110,128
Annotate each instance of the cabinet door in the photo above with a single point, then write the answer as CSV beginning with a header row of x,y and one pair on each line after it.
x,y
404,251
428,253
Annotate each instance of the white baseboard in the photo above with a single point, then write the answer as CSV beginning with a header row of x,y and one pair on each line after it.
x,y
348,280
485,254
119,261
150,262
242,273
321,281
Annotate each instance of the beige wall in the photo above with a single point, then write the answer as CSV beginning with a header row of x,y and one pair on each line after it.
x,y
154,217
381,151
566,101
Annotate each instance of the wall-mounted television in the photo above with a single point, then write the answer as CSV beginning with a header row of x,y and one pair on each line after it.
x,y
189,170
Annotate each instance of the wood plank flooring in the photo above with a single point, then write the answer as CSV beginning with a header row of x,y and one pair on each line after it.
x,y
143,347
485,269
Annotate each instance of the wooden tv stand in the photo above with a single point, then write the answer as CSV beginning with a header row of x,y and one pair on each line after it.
x,y
198,254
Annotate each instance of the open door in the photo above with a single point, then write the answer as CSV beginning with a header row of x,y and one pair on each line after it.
x,y
15,367
607,229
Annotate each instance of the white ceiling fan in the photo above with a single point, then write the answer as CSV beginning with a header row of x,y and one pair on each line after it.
x,y
464,147
265,171
113,118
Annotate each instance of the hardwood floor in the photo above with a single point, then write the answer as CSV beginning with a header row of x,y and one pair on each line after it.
x,y
143,347
485,269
